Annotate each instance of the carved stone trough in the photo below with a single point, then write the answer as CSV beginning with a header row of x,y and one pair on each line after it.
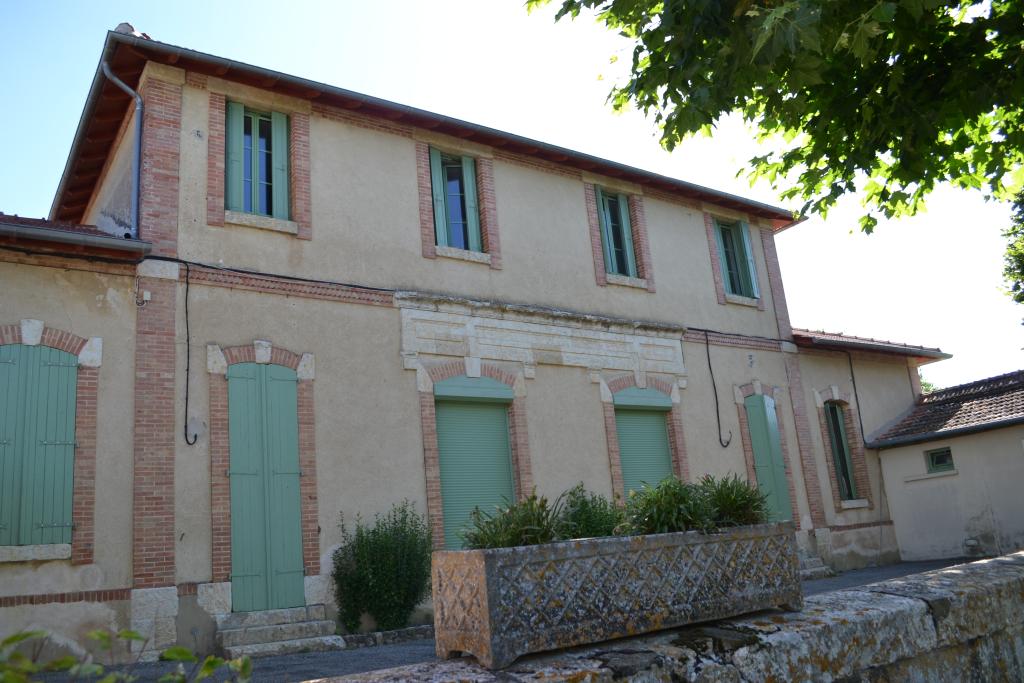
x,y
501,604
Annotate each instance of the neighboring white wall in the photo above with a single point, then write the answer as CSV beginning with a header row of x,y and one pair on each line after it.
x,y
981,499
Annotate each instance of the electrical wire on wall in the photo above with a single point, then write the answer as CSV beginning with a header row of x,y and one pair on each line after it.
x,y
188,358
714,389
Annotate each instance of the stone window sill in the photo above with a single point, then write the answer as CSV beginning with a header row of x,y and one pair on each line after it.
x,y
251,220
463,255
930,475
35,553
741,300
855,504
625,281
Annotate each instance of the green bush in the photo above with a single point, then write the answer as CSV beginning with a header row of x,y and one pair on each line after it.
x,y
672,505
21,661
528,522
588,515
733,501
383,569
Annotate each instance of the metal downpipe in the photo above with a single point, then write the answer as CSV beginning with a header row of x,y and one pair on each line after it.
x,y
137,155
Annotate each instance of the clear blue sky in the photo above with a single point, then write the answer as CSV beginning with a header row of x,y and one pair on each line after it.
x,y
931,280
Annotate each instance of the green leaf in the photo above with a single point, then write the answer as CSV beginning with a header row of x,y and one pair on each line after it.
x,y
20,637
131,635
209,667
178,654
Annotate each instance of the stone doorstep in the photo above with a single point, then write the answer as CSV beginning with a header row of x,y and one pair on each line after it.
x,y
286,647
253,635
815,573
357,640
271,617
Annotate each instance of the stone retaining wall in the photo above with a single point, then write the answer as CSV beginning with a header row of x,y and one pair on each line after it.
x,y
961,623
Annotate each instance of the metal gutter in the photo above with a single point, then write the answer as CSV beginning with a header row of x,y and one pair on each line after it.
x,y
942,434
80,239
917,352
226,65
136,152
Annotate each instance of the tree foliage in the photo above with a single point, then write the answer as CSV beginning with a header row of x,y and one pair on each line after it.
x,y
885,98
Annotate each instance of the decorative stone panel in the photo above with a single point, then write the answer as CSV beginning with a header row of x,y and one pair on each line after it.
x,y
503,603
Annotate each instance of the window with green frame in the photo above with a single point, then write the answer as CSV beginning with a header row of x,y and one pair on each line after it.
x,y
835,418
256,166
939,460
456,210
616,233
737,258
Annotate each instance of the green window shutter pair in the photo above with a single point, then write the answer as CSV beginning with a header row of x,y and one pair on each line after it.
x,y
234,167
443,214
739,270
38,391
644,451
766,442
614,221
835,419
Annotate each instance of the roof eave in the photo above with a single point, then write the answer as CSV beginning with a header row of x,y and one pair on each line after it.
x,y
922,354
911,439
17,233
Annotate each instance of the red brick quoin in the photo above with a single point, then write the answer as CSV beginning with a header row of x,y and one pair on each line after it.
x,y
220,461
83,501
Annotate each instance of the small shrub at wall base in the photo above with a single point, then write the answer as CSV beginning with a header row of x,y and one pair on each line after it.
x,y
588,515
733,501
383,569
672,505
529,522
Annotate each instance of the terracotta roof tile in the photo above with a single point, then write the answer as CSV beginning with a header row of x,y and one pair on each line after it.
x,y
46,224
967,407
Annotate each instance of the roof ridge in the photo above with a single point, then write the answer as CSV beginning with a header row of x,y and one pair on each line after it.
x,y
995,384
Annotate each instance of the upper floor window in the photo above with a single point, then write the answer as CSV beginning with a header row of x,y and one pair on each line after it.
x,y
835,418
939,460
738,270
456,209
257,162
616,233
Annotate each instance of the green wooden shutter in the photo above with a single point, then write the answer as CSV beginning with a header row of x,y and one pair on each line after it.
x,y
472,204
836,423
763,429
643,447
606,237
234,157
38,388
476,462
279,162
747,265
438,190
627,234
722,259
266,528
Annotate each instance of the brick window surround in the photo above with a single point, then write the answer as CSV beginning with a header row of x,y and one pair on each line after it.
x,y
89,352
638,228
716,265
676,438
218,360
855,443
518,439
777,393
490,241
299,183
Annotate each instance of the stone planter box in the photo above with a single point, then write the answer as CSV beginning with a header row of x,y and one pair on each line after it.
x,y
503,603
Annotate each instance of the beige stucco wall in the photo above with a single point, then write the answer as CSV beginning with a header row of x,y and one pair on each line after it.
x,y
110,206
89,305
366,230
935,514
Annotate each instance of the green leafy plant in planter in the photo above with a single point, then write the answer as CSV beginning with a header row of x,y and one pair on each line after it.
x,y
672,505
589,515
529,522
383,569
734,502
21,661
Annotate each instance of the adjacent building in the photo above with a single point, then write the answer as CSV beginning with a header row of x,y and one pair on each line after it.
x,y
308,302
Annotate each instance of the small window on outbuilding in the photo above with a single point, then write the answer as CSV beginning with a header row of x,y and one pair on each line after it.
x,y
939,460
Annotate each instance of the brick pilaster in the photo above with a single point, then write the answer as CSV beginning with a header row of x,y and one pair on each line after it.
x,y
153,537
161,144
215,149
220,483
432,467
488,210
426,201
641,245
520,439
300,185
83,505
611,434
310,507
771,259
804,444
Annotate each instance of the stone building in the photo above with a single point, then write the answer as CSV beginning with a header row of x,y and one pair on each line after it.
x,y
329,303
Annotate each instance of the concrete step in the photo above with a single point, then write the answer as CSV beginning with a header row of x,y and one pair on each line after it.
x,y
285,647
271,617
253,635
811,563
821,572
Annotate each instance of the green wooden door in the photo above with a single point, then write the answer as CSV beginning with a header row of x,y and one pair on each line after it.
x,y
476,462
763,426
643,447
266,529
38,386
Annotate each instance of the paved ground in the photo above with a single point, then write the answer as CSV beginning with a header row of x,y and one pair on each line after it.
x,y
303,667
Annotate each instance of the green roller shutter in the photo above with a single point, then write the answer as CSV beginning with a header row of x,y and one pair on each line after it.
x,y
266,529
643,447
38,386
769,467
476,462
